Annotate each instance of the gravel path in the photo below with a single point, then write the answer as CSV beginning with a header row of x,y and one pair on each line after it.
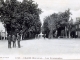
x,y
64,48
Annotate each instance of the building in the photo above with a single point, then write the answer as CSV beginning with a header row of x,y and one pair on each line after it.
x,y
3,33
77,25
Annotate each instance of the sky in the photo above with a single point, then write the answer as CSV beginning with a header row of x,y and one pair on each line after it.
x,y
54,6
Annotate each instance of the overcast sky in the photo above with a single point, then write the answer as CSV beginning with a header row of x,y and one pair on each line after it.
x,y
50,6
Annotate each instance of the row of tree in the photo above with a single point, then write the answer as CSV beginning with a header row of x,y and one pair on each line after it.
x,y
21,17
59,25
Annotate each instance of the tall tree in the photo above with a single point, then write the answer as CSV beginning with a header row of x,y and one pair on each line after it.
x,y
49,25
57,21
21,16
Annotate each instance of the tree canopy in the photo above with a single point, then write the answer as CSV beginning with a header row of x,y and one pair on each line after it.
x,y
20,16
55,21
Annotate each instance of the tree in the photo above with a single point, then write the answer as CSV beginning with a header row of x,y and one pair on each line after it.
x,y
70,27
21,16
45,29
56,22
49,25
64,20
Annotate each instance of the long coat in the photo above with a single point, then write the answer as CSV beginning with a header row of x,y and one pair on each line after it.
x,y
13,38
18,38
9,38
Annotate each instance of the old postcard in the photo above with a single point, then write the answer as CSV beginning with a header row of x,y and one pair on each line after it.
x,y
39,29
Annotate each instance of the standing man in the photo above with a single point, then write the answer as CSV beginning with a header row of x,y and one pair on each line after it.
x,y
9,41
18,40
14,40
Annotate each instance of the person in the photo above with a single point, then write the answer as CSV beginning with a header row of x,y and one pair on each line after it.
x,y
18,40
14,40
9,41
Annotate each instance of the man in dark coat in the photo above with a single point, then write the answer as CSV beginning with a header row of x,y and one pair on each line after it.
x,y
9,41
18,40
14,40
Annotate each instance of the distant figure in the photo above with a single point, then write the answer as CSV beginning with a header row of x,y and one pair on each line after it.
x,y
44,36
14,40
36,36
18,40
9,41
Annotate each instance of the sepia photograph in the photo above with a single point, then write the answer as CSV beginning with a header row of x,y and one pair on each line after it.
x,y
39,29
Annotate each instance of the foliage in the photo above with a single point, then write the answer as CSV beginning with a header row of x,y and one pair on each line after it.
x,y
56,21
21,17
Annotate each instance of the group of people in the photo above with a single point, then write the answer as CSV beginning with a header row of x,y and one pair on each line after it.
x,y
13,38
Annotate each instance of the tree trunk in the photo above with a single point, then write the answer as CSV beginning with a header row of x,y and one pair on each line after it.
x,y
50,34
21,36
65,32
69,35
29,34
56,33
